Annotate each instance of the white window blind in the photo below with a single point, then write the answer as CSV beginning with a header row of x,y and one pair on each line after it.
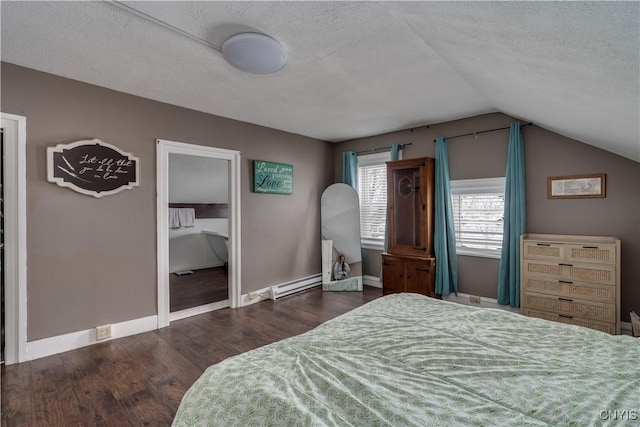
x,y
478,214
372,190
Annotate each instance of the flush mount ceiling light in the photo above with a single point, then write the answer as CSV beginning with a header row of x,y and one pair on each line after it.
x,y
254,53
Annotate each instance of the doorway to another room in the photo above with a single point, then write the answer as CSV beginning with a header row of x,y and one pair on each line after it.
x,y
198,230
14,239
2,267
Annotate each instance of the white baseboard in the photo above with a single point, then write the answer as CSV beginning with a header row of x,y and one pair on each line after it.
x,y
372,281
74,340
183,314
484,302
263,294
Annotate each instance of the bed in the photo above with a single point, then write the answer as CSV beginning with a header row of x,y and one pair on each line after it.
x,y
410,360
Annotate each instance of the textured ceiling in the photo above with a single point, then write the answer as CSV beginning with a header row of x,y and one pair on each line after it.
x,y
357,69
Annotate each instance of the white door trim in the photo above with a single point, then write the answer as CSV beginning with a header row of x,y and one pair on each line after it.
x,y
15,238
164,148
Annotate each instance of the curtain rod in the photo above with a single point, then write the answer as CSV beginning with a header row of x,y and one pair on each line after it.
x,y
373,150
482,131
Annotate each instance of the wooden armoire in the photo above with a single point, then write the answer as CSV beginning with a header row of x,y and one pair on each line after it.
x,y
409,265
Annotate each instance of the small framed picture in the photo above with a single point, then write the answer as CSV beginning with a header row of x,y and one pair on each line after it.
x,y
576,186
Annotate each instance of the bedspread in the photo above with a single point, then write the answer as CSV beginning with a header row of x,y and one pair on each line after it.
x,y
410,360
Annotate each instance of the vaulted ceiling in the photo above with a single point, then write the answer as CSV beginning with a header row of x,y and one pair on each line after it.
x,y
357,69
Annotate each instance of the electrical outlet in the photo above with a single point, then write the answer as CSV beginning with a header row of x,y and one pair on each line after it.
x,y
253,295
103,332
474,298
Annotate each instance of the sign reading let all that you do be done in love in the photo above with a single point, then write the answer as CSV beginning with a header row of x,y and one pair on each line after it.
x,y
272,177
92,167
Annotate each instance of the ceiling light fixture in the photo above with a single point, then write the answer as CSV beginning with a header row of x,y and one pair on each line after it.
x,y
254,53
250,52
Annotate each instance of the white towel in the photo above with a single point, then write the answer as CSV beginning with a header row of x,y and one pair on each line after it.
x,y
174,221
187,217
182,217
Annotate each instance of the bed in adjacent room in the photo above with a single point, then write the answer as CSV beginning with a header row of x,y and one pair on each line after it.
x,y
410,360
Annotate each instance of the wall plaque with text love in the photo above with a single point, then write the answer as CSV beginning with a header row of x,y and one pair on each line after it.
x,y
271,177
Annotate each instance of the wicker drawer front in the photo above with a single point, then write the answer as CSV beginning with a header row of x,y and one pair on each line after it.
x,y
599,326
590,273
602,254
542,269
543,250
571,307
571,272
588,291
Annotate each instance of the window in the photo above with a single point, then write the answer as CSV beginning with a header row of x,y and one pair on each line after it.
x,y
372,189
478,215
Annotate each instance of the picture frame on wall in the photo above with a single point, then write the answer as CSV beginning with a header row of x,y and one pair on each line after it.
x,y
576,186
273,178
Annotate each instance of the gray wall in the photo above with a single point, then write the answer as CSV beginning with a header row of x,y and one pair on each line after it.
x,y
547,154
93,261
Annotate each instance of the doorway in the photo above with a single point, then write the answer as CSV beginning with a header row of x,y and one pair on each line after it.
x,y
198,229
14,237
2,268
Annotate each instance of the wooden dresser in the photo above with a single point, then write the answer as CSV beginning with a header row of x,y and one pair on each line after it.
x,y
408,274
571,279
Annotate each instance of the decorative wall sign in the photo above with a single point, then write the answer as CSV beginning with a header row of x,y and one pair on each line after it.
x,y
92,167
272,177
576,186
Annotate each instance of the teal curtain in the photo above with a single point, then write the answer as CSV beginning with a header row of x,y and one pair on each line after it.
x,y
444,236
395,151
514,221
350,169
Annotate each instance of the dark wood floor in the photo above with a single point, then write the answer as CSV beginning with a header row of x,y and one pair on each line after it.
x,y
140,380
202,287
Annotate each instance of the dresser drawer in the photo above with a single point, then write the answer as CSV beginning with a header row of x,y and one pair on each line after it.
x,y
572,272
571,307
543,250
588,291
588,323
597,254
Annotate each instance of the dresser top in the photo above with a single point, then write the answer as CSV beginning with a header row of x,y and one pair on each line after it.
x,y
569,238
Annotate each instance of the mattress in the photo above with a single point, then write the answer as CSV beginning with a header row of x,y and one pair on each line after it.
x,y
410,360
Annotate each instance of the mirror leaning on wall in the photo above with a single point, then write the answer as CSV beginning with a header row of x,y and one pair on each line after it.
x,y
341,251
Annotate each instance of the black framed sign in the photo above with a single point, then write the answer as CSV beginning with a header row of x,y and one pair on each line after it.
x,y
271,177
92,167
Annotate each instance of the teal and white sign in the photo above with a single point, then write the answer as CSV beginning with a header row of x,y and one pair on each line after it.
x,y
272,177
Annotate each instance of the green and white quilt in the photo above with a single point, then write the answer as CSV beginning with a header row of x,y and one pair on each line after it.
x,y
410,360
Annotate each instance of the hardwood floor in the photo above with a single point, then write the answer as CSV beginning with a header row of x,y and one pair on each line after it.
x,y
202,287
140,380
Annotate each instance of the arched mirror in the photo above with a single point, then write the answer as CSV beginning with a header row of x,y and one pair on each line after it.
x,y
341,252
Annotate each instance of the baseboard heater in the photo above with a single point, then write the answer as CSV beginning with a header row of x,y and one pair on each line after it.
x,y
294,286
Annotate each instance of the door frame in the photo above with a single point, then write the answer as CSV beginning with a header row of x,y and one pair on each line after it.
x,y
163,149
15,237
